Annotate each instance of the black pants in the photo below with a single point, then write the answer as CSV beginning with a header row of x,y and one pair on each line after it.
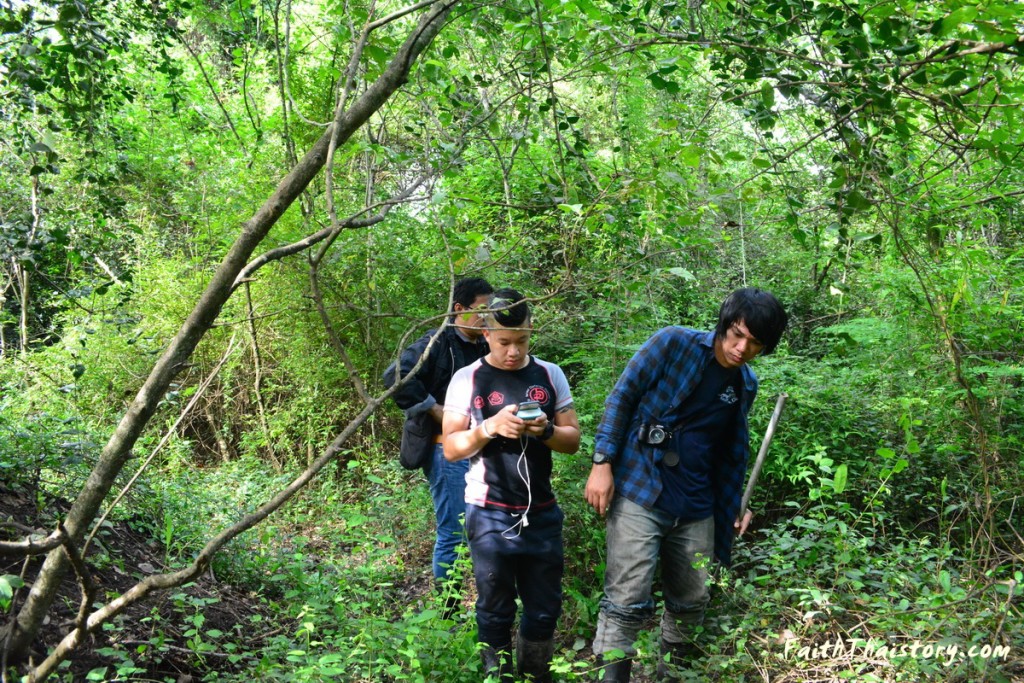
x,y
511,560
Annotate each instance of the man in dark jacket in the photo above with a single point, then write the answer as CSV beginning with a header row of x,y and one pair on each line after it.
x,y
422,397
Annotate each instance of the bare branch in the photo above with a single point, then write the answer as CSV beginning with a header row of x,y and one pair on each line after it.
x,y
85,583
385,208
179,350
332,334
31,546
213,90
160,582
163,442
350,223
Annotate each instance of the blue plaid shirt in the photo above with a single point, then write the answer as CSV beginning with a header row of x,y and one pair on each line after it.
x,y
652,388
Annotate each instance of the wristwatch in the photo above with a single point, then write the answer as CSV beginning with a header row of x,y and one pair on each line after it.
x,y
549,431
601,458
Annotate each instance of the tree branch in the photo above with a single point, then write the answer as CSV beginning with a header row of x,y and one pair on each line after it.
x,y
33,547
350,223
205,311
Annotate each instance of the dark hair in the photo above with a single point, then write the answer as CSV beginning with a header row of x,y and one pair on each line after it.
x,y
759,310
511,310
468,289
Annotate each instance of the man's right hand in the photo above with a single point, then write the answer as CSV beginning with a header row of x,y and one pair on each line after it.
x,y
506,423
600,488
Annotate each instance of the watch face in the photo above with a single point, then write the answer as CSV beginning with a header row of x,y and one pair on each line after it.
x,y
600,458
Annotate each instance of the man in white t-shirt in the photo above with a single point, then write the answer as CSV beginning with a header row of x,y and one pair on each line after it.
x,y
513,522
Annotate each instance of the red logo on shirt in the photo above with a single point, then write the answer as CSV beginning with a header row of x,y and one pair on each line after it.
x,y
478,402
496,398
538,394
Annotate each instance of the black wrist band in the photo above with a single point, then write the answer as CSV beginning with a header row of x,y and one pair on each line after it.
x,y
549,431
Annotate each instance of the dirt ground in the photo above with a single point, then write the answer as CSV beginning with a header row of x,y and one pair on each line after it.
x,y
154,634
137,631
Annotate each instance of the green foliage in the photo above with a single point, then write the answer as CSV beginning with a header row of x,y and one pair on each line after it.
x,y
39,447
631,164
8,584
828,573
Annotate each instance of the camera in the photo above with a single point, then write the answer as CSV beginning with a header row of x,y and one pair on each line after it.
x,y
655,435
529,410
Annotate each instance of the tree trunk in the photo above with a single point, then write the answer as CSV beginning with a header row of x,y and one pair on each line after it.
x,y
118,449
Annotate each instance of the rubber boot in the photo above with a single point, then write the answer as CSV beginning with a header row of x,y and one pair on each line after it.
x,y
617,671
497,662
672,660
533,659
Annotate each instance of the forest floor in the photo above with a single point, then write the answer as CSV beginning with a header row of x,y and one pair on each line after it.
x,y
160,639
153,634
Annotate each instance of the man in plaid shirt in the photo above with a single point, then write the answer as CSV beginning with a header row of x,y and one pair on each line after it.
x,y
669,460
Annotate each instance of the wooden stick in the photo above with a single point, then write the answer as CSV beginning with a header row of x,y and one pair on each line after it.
x,y
755,472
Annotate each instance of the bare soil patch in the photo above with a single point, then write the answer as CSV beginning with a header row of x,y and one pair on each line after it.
x,y
159,635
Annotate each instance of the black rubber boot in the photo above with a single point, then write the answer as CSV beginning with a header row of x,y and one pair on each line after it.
x,y
617,671
497,662
533,659
672,660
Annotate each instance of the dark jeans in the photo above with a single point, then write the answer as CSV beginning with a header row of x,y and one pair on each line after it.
x,y
511,560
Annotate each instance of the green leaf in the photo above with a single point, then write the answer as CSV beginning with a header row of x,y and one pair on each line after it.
x,y
657,81
8,583
839,178
690,155
376,53
907,49
954,19
839,480
856,200
957,76
589,9
682,273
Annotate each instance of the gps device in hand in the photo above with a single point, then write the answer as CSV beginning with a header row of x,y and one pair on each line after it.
x,y
529,410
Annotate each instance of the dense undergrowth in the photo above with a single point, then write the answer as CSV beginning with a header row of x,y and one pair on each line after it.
x,y
627,164
874,556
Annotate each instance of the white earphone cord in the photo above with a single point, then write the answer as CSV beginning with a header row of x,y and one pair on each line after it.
x,y
523,469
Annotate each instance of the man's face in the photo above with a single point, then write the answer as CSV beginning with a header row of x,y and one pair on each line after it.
x,y
510,348
737,347
469,319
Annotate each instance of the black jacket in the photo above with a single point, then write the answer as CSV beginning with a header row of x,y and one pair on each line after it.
x,y
428,386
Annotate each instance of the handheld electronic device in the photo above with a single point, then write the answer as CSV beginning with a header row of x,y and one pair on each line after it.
x,y
529,410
